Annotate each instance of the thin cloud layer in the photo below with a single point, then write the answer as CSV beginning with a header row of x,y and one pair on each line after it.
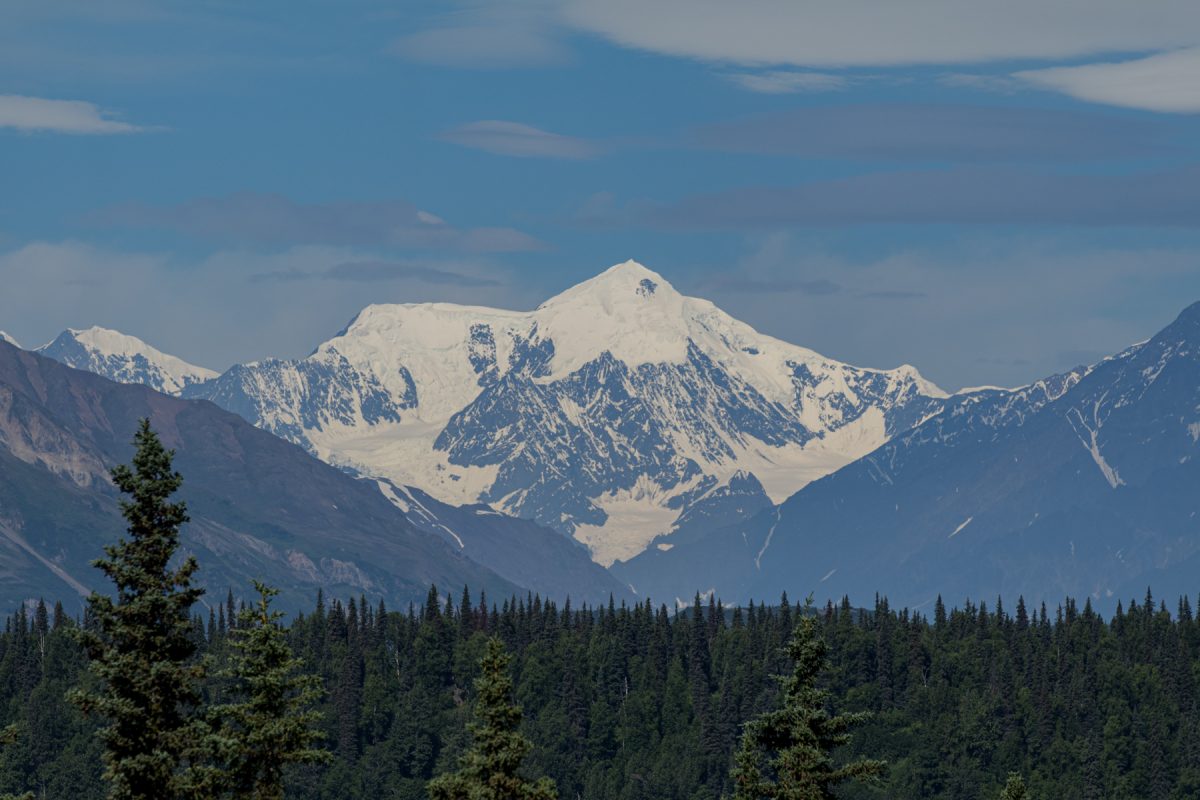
x,y
746,285
378,271
867,33
213,310
1166,82
963,133
1018,312
39,114
789,82
812,38
515,139
271,219
963,195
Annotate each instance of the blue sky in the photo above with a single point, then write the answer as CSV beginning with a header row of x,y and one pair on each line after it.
x,y
989,191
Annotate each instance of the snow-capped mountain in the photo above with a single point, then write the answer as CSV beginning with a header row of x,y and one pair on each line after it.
x,y
606,413
124,359
260,508
603,413
1081,484
4,337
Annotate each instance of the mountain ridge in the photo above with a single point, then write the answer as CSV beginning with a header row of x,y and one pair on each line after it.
x,y
261,508
124,359
618,453
472,405
1082,484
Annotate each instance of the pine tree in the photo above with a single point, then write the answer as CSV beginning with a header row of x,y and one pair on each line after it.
x,y
490,769
273,725
8,736
798,739
141,645
1014,788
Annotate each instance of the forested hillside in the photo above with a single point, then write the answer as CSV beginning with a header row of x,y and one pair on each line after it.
x,y
636,702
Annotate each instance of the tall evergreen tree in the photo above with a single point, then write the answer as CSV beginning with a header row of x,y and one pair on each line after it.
x,y
141,645
8,736
490,770
797,741
1014,788
273,725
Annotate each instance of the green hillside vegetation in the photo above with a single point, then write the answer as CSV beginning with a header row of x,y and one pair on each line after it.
x,y
634,702
464,697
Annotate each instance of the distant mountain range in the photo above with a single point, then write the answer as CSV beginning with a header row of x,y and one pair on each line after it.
x,y
687,451
260,507
605,413
1084,484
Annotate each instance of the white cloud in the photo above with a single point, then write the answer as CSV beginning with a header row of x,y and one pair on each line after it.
x,y
789,82
59,116
1001,84
1168,82
813,33
515,139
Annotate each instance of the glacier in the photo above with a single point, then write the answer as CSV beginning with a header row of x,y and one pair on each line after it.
x,y
605,413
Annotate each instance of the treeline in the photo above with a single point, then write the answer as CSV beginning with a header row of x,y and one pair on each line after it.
x,y
635,702
141,698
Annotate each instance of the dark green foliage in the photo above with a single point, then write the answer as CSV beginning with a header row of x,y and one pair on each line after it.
x,y
141,644
1082,707
272,724
798,740
7,737
491,769
1014,788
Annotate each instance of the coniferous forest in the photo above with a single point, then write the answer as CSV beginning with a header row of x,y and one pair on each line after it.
x,y
466,697
639,703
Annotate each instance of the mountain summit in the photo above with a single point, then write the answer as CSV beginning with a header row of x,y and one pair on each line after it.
x,y
605,413
124,359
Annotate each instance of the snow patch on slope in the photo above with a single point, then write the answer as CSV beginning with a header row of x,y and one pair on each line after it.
x,y
785,470
402,453
4,337
1091,442
635,517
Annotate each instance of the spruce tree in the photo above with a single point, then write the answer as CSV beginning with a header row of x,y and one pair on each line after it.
x,y
1014,788
8,736
140,644
797,741
490,770
273,725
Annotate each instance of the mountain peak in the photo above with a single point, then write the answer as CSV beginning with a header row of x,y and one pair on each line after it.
x,y
628,284
627,310
123,358
4,337
108,340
